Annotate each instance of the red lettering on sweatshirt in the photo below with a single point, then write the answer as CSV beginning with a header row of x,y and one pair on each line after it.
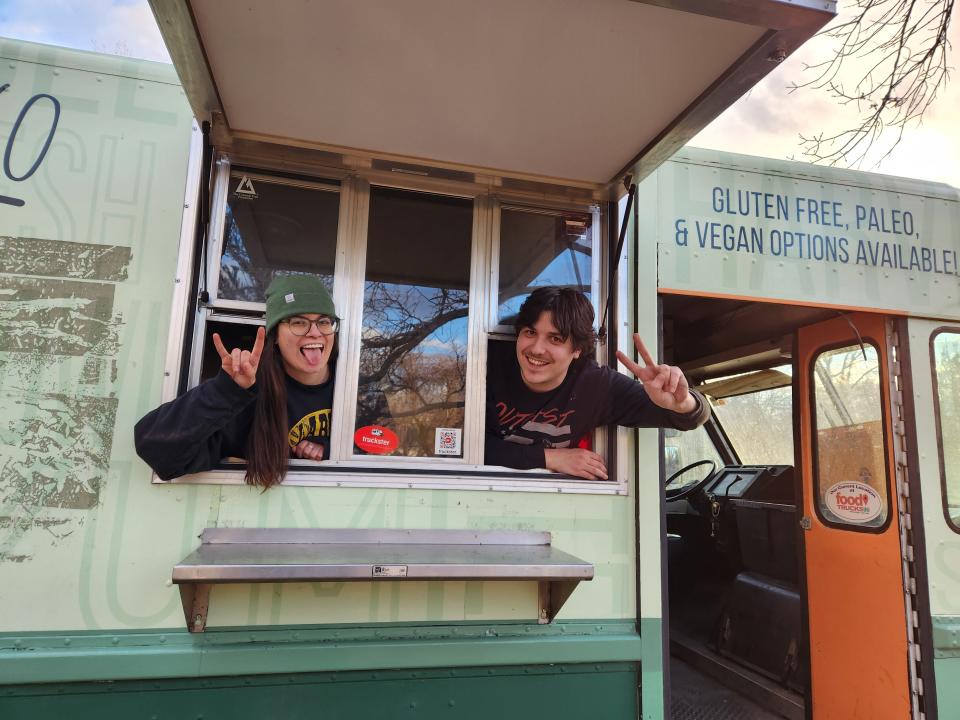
x,y
513,418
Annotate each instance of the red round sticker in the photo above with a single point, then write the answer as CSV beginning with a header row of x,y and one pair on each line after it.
x,y
376,439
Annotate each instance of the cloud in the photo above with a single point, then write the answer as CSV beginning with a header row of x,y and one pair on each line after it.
x,y
433,344
122,27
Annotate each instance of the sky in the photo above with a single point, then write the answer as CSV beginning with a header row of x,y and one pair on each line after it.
x,y
123,27
767,121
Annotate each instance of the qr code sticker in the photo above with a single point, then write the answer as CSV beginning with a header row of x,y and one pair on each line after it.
x,y
447,441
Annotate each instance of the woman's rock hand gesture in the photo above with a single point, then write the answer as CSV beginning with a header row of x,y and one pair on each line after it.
x,y
666,385
241,365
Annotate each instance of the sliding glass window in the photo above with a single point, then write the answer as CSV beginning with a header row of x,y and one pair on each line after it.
x,y
413,355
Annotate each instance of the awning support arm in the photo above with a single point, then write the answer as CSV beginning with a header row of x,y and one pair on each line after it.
x,y
615,258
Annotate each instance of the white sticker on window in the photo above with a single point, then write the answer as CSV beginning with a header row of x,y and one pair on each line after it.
x,y
245,189
854,502
447,441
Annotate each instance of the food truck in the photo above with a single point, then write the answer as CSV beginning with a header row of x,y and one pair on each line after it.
x,y
433,163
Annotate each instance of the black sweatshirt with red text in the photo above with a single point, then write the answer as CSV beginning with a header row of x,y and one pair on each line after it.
x,y
521,423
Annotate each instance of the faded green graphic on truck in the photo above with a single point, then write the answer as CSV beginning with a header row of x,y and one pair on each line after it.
x,y
82,185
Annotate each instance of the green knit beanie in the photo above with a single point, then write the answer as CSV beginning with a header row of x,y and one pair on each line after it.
x,y
290,295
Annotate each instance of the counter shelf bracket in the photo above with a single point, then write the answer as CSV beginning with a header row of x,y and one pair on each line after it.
x,y
275,555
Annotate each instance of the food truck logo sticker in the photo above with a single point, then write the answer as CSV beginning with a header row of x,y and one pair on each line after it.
x,y
245,189
376,439
854,502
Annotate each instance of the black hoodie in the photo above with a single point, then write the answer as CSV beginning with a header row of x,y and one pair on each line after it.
x,y
522,423
210,422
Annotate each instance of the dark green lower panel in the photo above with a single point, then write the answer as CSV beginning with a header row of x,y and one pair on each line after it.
x,y
46,658
601,690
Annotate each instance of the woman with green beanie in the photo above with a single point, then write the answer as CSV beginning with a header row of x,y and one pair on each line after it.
x,y
267,404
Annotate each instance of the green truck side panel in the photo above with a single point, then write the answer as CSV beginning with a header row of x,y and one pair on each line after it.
x,y
948,687
735,225
533,691
86,278
87,543
946,665
648,508
651,669
49,658
946,636
942,543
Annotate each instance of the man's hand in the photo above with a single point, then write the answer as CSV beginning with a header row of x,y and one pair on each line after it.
x,y
577,462
665,384
306,450
241,365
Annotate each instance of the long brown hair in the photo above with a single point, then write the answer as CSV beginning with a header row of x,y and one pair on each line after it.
x,y
267,448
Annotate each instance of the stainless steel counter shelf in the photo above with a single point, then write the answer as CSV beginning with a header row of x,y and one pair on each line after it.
x,y
273,555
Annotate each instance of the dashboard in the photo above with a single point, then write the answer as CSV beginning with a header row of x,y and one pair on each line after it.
x,y
763,483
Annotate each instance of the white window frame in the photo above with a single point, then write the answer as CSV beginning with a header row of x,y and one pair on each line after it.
x,y
217,240
344,468
225,309
343,431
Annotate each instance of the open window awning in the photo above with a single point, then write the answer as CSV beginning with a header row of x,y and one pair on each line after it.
x,y
559,90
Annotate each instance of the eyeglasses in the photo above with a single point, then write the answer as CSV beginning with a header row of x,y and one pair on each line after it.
x,y
301,326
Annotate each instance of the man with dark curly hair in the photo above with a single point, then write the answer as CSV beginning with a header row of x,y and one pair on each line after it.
x,y
545,398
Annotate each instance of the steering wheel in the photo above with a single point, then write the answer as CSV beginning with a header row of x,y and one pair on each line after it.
x,y
689,490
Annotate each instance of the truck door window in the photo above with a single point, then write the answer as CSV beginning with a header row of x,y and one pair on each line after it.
x,y
413,358
849,454
945,349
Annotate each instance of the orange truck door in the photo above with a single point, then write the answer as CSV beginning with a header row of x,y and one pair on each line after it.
x,y
855,596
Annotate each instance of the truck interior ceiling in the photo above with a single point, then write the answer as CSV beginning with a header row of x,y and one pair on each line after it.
x,y
732,499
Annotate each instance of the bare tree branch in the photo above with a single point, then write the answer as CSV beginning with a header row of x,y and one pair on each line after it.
x,y
454,405
404,330
890,64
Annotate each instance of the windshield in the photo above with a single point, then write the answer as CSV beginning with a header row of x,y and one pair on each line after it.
x,y
684,448
759,424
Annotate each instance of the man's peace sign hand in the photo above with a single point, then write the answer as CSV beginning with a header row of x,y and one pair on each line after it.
x,y
665,384
241,365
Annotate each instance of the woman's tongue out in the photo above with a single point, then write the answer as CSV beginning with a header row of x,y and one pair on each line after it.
x,y
313,353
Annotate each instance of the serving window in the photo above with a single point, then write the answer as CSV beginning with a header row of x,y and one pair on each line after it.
x,y
422,277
